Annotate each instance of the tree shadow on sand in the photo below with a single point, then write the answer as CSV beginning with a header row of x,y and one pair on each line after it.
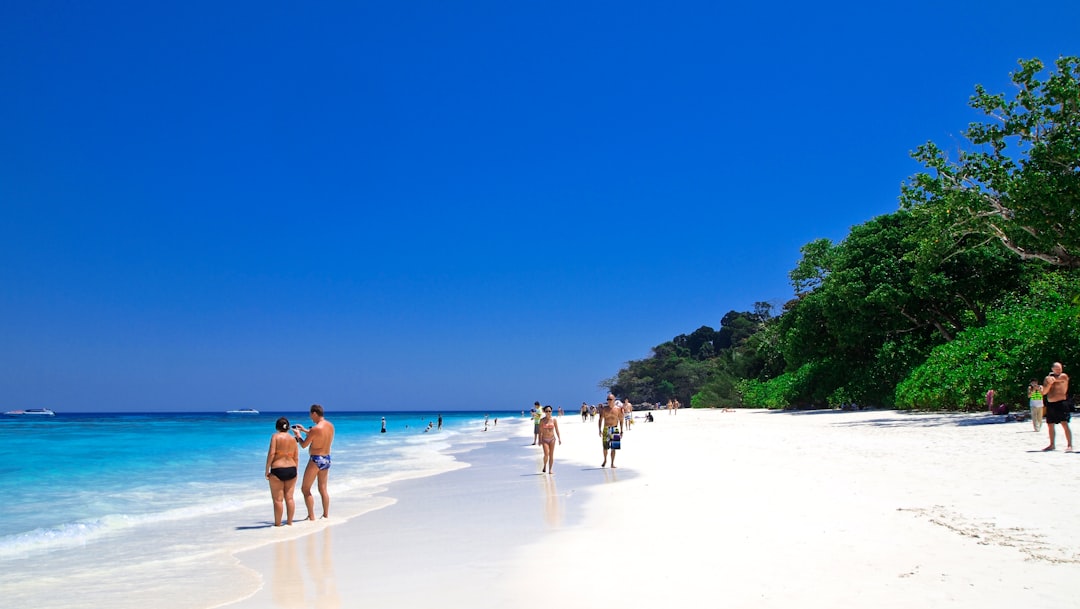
x,y
902,418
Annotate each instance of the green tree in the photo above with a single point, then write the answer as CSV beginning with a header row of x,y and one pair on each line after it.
x,y
870,308
1019,181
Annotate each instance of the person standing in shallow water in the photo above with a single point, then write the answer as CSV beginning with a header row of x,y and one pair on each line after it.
x,y
1056,392
549,431
281,462
318,442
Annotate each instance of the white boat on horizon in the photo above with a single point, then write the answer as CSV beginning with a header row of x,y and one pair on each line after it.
x,y
31,412
242,411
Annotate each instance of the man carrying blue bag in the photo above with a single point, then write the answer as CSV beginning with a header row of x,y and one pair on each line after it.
x,y
611,429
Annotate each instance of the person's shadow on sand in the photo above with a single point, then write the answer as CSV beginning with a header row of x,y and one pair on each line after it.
x,y
265,525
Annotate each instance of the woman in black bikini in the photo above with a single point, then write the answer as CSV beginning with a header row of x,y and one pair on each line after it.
x,y
281,462
549,431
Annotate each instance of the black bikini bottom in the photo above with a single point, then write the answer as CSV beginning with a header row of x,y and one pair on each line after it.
x,y
283,473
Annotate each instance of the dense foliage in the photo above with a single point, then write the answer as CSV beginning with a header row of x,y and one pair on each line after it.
x,y
1017,344
1019,180
970,285
707,359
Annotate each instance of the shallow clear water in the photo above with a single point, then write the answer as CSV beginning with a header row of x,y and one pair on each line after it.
x,y
92,496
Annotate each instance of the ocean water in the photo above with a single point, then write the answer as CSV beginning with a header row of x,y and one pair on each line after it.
x,y
94,503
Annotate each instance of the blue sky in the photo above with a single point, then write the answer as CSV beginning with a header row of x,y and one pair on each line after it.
x,y
442,205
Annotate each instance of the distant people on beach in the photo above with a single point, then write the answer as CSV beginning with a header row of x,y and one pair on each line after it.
x,y
1035,402
439,427
536,414
383,429
549,432
1056,392
648,418
282,459
318,440
628,414
995,408
611,425
584,412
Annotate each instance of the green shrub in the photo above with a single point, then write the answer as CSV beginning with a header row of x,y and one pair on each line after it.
x,y
1015,345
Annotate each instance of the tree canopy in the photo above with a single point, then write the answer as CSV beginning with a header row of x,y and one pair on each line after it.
x,y
969,285
1019,180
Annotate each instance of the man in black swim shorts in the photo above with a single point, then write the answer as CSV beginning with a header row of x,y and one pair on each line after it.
x,y
1056,390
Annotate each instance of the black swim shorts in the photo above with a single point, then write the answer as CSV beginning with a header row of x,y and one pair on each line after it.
x,y
1057,412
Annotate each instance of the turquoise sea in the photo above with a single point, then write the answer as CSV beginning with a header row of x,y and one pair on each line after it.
x,y
105,496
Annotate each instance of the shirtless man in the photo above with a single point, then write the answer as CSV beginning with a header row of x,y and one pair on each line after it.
x,y
318,441
1056,389
536,413
611,422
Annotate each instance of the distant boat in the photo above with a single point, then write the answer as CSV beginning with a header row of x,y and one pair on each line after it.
x,y
31,412
242,411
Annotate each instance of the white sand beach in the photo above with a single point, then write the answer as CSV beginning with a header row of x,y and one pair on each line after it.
x,y
709,508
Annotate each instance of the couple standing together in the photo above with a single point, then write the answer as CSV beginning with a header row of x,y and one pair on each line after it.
x,y
283,458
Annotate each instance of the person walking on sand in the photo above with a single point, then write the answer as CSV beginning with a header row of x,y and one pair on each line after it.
x,y
1035,402
611,423
281,462
584,412
549,431
1056,390
318,440
536,413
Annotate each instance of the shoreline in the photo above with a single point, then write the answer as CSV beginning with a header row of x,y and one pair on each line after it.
x,y
755,508
437,532
182,555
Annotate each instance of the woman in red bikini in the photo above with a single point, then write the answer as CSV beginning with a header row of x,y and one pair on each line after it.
x,y
549,432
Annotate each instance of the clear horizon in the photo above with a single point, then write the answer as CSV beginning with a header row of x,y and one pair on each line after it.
x,y
380,206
